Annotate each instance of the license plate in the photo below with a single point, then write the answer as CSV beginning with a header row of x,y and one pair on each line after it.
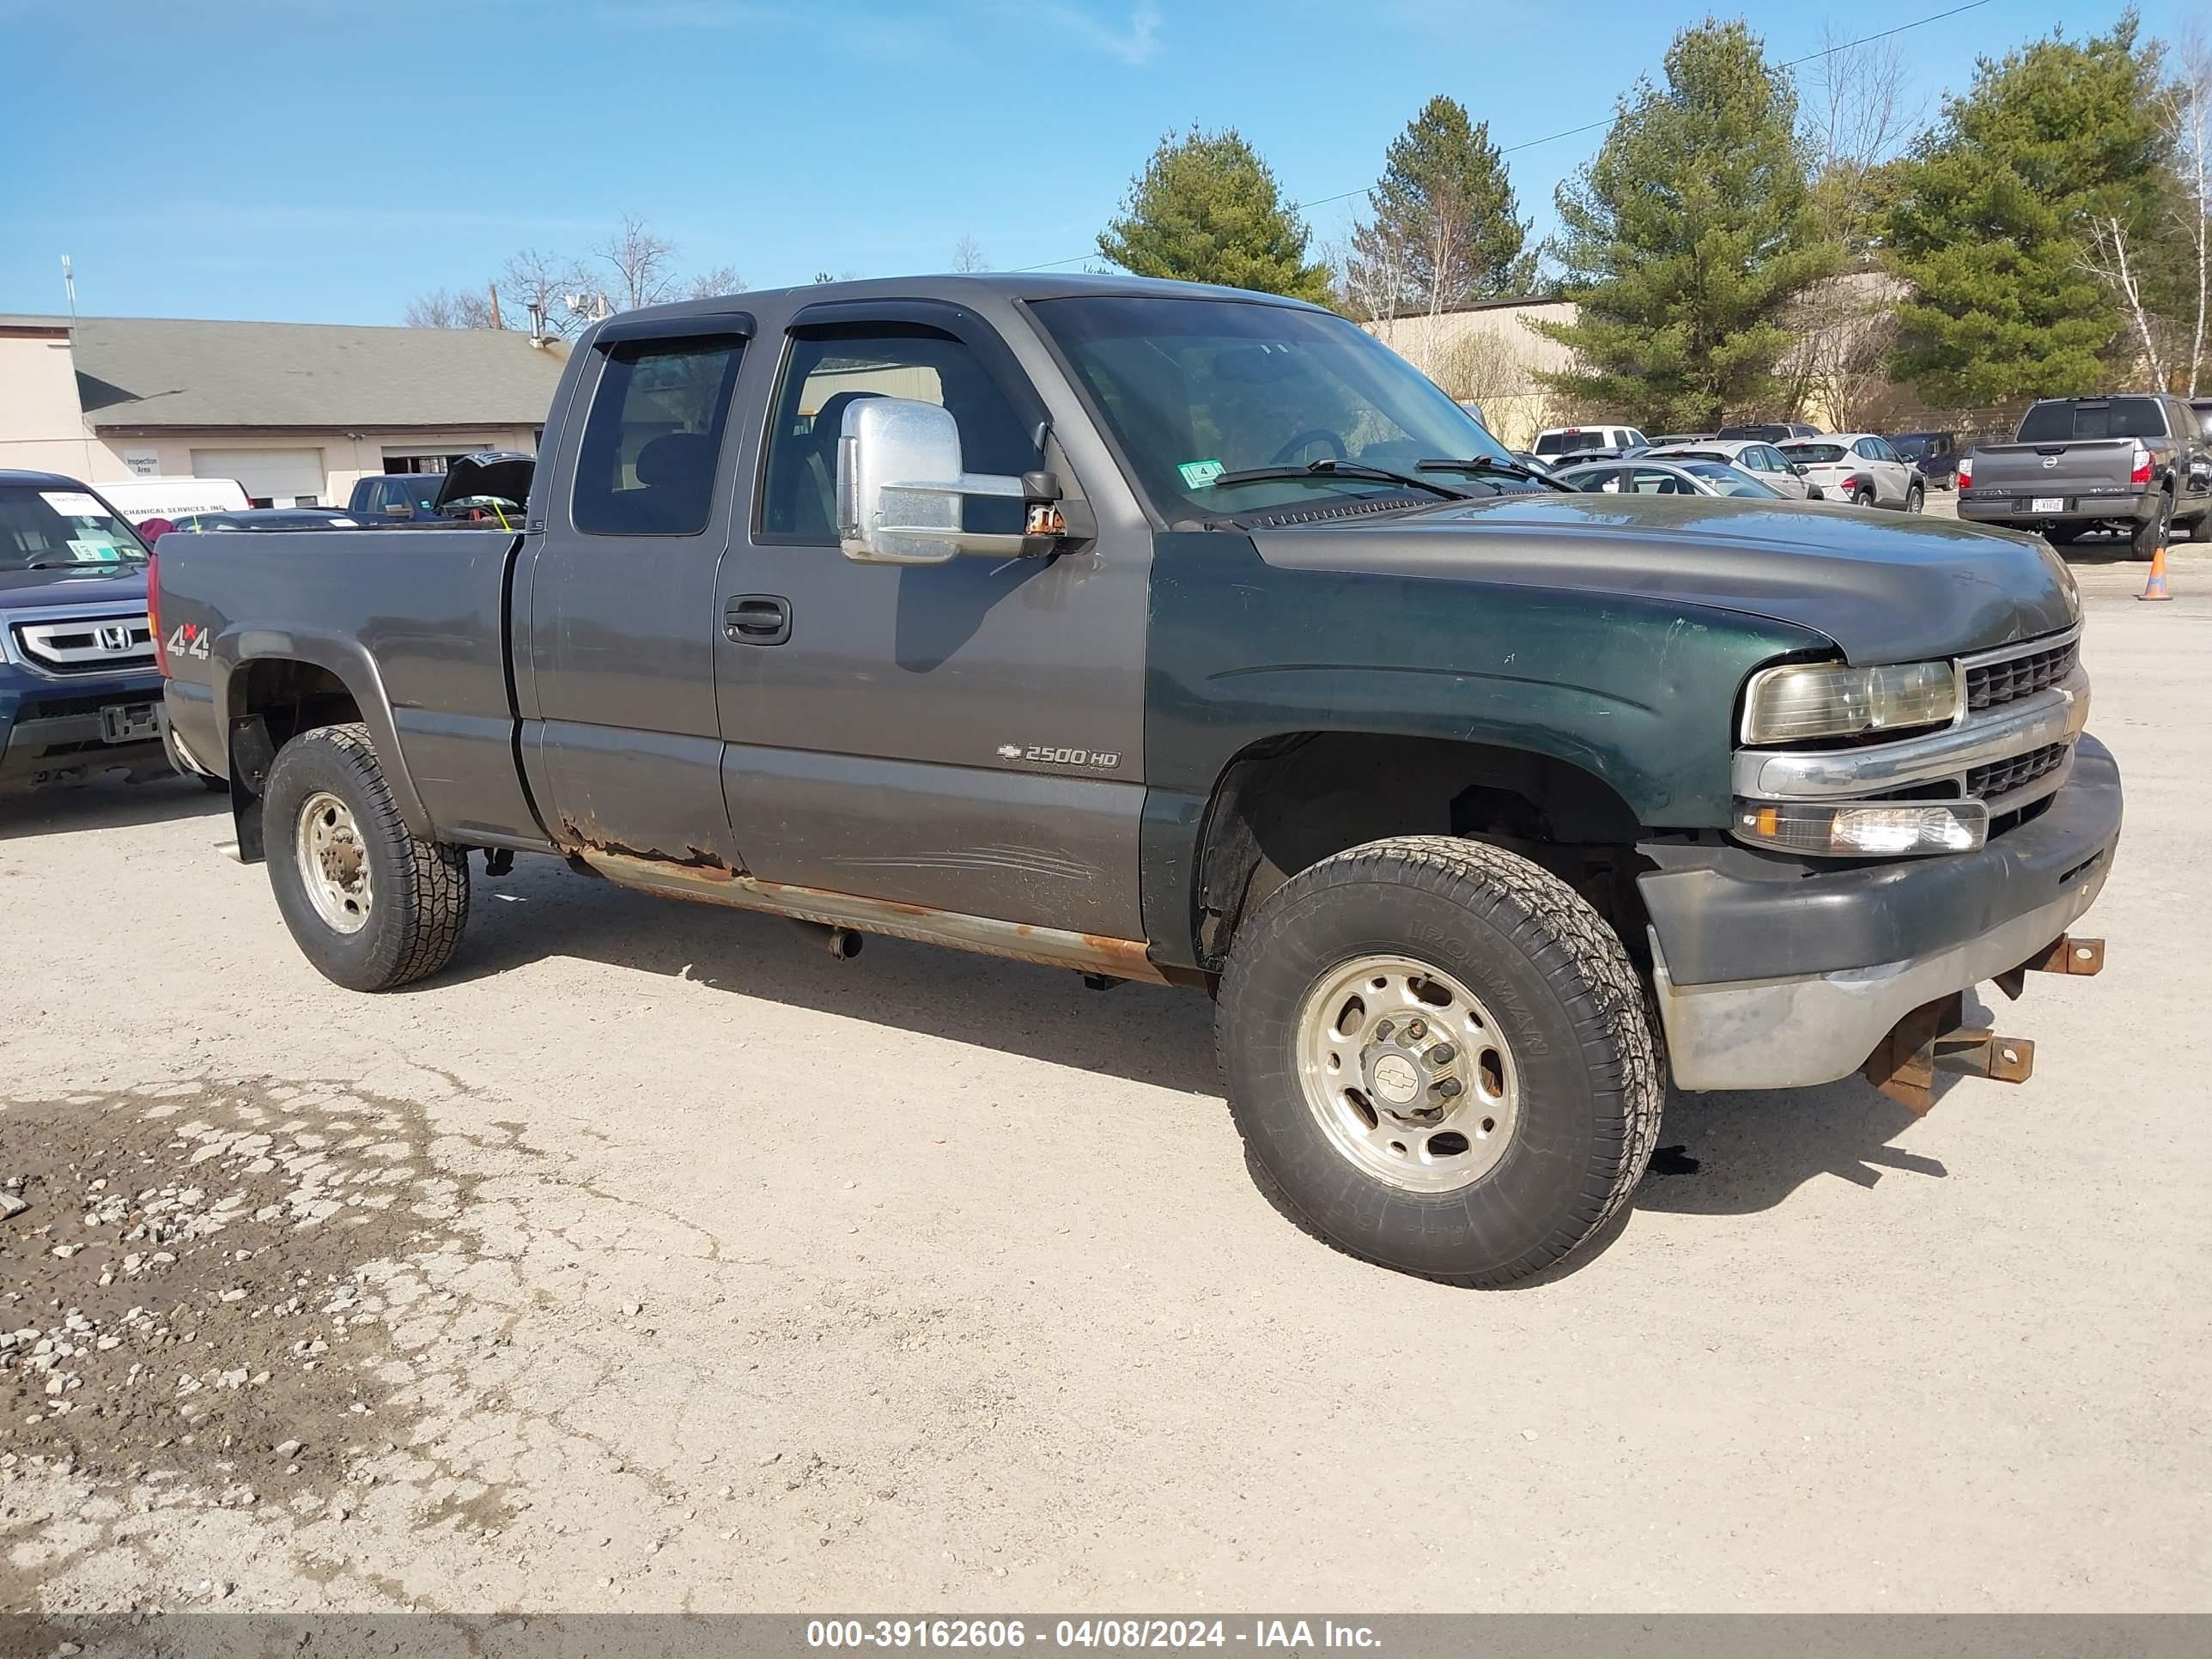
x,y
2047,504
128,722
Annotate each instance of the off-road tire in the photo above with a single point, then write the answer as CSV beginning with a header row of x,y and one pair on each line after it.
x,y
1526,943
2149,534
421,888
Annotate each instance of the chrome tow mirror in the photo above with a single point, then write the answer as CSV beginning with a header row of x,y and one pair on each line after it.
x,y
900,486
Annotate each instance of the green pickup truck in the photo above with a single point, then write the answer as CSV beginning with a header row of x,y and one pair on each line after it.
x,y
1181,635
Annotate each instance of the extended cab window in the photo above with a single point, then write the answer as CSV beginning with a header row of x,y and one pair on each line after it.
x,y
831,369
647,464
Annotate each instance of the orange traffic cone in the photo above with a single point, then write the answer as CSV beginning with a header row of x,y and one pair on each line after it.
x,y
2155,587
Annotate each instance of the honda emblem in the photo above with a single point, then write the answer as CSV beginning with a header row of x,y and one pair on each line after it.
x,y
115,637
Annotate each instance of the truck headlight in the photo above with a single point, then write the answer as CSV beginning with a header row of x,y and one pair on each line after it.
x,y
1833,700
1864,829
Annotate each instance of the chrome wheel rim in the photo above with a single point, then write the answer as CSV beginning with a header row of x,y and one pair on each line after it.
x,y
334,863
1407,1073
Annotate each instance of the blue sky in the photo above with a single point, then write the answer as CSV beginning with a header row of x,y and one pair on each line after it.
x,y
324,160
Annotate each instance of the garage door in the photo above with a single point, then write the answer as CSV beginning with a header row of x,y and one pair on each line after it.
x,y
281,477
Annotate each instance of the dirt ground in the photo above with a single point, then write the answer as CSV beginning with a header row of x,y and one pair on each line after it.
x,y
652,1260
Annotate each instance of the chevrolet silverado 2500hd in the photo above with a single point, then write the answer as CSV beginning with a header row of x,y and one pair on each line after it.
x,y
1190,636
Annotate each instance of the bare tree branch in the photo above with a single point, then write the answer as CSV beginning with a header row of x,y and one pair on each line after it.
x,y
449,308
2106,257
968,255
2189,118
712,284
534,277
643,264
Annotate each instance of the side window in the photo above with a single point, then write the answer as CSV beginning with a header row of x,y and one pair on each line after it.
x,y
646,466
828,370
1650,481
1887,451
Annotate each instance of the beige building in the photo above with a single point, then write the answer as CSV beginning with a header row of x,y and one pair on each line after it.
x,y
1489,353
294,412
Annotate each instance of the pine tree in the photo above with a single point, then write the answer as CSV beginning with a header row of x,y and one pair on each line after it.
x,y
1992,220
1444,225
1686,238
1206,209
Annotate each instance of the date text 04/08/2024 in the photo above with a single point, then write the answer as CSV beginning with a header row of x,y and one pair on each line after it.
x,y
1084,1633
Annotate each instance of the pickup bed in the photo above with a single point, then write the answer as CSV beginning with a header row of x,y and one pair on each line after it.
x,y
2135,465
1189,636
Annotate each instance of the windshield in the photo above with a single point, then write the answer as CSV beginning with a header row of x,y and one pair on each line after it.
x,y
1913,447
2099,417
1814,454
1727,481
1193,389
42,528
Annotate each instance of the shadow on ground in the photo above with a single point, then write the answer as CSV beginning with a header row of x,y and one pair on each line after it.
x,y
1751,1151
107,803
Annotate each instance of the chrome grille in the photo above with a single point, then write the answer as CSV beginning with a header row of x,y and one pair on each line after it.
x,y
1992,684
2001,778
87,645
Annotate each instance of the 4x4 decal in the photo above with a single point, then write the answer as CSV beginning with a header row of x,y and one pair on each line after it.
x,y
188,640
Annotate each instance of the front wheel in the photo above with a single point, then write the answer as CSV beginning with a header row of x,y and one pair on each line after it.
x,y
1438,1057
370,904
1915,497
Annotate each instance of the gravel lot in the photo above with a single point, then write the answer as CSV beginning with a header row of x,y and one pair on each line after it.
x,y
652,1260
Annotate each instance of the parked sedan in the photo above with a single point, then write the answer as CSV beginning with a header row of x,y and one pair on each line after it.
x,y
1755,456
1860,468
1646,477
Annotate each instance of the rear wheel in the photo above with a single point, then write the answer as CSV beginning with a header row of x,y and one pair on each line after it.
x,y
1438,1056
369,902
2150,534
1862,496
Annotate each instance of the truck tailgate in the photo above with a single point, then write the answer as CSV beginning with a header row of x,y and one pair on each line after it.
x,y
413,624
2055,471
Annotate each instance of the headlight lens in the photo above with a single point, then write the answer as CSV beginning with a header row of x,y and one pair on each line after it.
x,y
1864,829
1829,700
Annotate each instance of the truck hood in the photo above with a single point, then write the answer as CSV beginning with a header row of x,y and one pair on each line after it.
x,y
1885,587
28,590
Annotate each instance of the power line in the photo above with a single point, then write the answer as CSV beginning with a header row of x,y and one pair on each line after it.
x,y
1592,127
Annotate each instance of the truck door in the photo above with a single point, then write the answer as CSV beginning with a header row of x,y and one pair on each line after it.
x,y
620,737
965,737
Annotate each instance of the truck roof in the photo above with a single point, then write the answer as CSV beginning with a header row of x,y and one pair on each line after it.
x,y
964,287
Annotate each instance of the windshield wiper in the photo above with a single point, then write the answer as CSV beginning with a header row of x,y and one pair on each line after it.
x,y
78,564
1483,466
1341,469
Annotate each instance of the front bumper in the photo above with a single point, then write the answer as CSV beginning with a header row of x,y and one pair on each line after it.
x,y
1789,980
48,733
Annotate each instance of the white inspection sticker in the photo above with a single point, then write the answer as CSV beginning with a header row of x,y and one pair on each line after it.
x,y
73,503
